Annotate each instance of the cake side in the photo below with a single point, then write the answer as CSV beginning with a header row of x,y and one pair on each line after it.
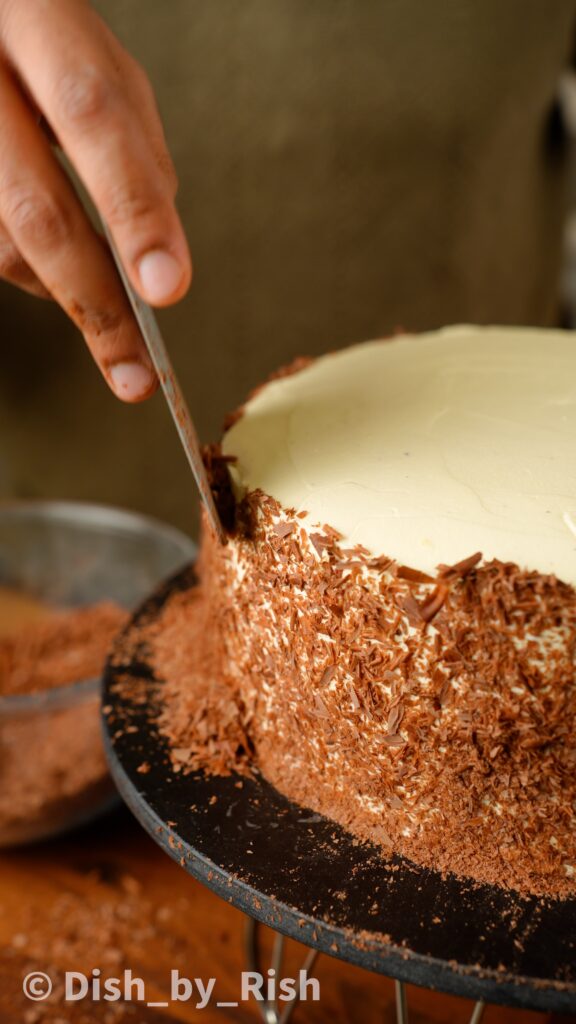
x,y
432,716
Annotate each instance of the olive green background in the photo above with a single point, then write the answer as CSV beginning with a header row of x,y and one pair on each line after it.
x,y
345,168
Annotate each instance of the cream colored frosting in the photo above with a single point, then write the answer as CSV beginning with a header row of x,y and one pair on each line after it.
x,y
427,448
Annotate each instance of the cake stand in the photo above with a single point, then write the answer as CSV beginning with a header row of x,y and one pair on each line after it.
x,y
307,878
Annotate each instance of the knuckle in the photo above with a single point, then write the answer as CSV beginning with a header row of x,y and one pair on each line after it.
x,y
129,203
82,97
35,218
95,322
12,265
167,169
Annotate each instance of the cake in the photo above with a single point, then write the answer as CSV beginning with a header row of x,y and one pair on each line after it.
x,y
389,635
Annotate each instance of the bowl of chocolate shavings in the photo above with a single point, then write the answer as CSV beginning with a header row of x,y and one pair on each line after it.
x,y
70,575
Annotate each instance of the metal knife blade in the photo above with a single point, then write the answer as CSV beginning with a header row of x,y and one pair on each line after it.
x,y
172,391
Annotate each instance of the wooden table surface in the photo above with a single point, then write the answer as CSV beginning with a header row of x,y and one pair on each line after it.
x,y
107,897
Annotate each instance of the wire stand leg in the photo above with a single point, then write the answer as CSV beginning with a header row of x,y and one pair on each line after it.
x,y
478,1012
269,1009
401,1003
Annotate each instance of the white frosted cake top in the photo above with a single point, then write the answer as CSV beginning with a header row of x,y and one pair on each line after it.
x,y
427,448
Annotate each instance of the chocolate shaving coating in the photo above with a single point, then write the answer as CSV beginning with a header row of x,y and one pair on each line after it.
x,y
436,718
219,478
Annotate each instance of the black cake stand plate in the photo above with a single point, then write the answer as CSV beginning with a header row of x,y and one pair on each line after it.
x,y
310,879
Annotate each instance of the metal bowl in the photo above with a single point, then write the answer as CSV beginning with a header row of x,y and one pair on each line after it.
x,y
68,554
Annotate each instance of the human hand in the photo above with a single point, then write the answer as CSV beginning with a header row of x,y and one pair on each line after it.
x,y
59,63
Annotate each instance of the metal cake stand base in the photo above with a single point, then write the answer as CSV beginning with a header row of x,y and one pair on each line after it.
x,y
306,877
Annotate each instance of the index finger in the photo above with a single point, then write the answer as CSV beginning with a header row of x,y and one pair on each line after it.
x,y
86,88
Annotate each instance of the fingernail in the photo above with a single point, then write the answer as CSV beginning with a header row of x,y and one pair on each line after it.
x,y
160,275
131,381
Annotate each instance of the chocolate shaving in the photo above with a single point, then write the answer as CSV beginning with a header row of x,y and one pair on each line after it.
x,y
412,610
432,605
319,542
459,568
320,706
327,675
394,741
394,718
404,572
283,529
